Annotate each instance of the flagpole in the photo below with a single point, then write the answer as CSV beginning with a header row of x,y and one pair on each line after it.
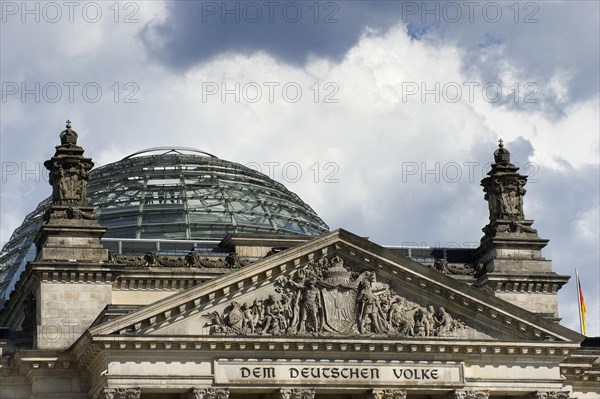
x,y
577,285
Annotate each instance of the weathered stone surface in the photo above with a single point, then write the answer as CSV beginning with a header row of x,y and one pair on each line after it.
x,y
326,298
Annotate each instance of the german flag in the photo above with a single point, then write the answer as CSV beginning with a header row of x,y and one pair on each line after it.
x,y
581,302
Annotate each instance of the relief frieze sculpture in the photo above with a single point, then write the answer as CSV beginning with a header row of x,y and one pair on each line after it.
x,y
326,298
192,259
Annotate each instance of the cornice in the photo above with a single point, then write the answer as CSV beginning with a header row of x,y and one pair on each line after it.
x,y
335,349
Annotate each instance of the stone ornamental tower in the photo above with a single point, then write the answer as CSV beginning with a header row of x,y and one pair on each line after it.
x,y
511,250
71,231
72,284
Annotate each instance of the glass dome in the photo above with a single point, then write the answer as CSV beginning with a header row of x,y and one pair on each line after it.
x,y
175,194
190,196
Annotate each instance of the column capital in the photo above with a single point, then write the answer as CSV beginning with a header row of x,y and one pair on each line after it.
x,y
294,393
468,394
550,395
120,393
208,393
386,393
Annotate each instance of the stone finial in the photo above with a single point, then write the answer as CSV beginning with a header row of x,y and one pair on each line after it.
x,y
501,155
68,136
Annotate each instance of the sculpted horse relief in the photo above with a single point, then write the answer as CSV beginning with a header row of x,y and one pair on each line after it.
x,y
325,298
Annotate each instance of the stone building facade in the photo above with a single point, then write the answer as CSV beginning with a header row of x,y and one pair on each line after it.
x,y
288,316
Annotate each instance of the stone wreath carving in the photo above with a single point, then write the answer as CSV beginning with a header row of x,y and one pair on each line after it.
x,y
192,259
326,298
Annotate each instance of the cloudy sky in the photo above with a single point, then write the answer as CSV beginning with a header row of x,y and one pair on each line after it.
x,y
382,115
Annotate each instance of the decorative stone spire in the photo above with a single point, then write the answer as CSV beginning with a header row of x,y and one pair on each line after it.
x,y
504,189
69,177
510,251
71,231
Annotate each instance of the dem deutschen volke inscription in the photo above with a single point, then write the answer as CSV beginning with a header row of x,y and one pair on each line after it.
x,y
322,373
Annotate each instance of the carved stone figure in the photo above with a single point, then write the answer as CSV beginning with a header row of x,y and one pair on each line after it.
x,y
444,322
274,322
441,265
421,325
430,315
192,259
398,317
371,317
250,319
151,259
310,305
233,261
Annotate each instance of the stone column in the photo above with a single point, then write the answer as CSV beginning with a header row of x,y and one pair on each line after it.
x,y
385,394
468,394
120,393
294,393
549,395
208,393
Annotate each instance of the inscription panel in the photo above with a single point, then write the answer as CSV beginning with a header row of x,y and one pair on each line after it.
x,y
361,374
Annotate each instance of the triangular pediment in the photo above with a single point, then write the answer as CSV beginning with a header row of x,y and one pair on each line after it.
x,y
338,285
